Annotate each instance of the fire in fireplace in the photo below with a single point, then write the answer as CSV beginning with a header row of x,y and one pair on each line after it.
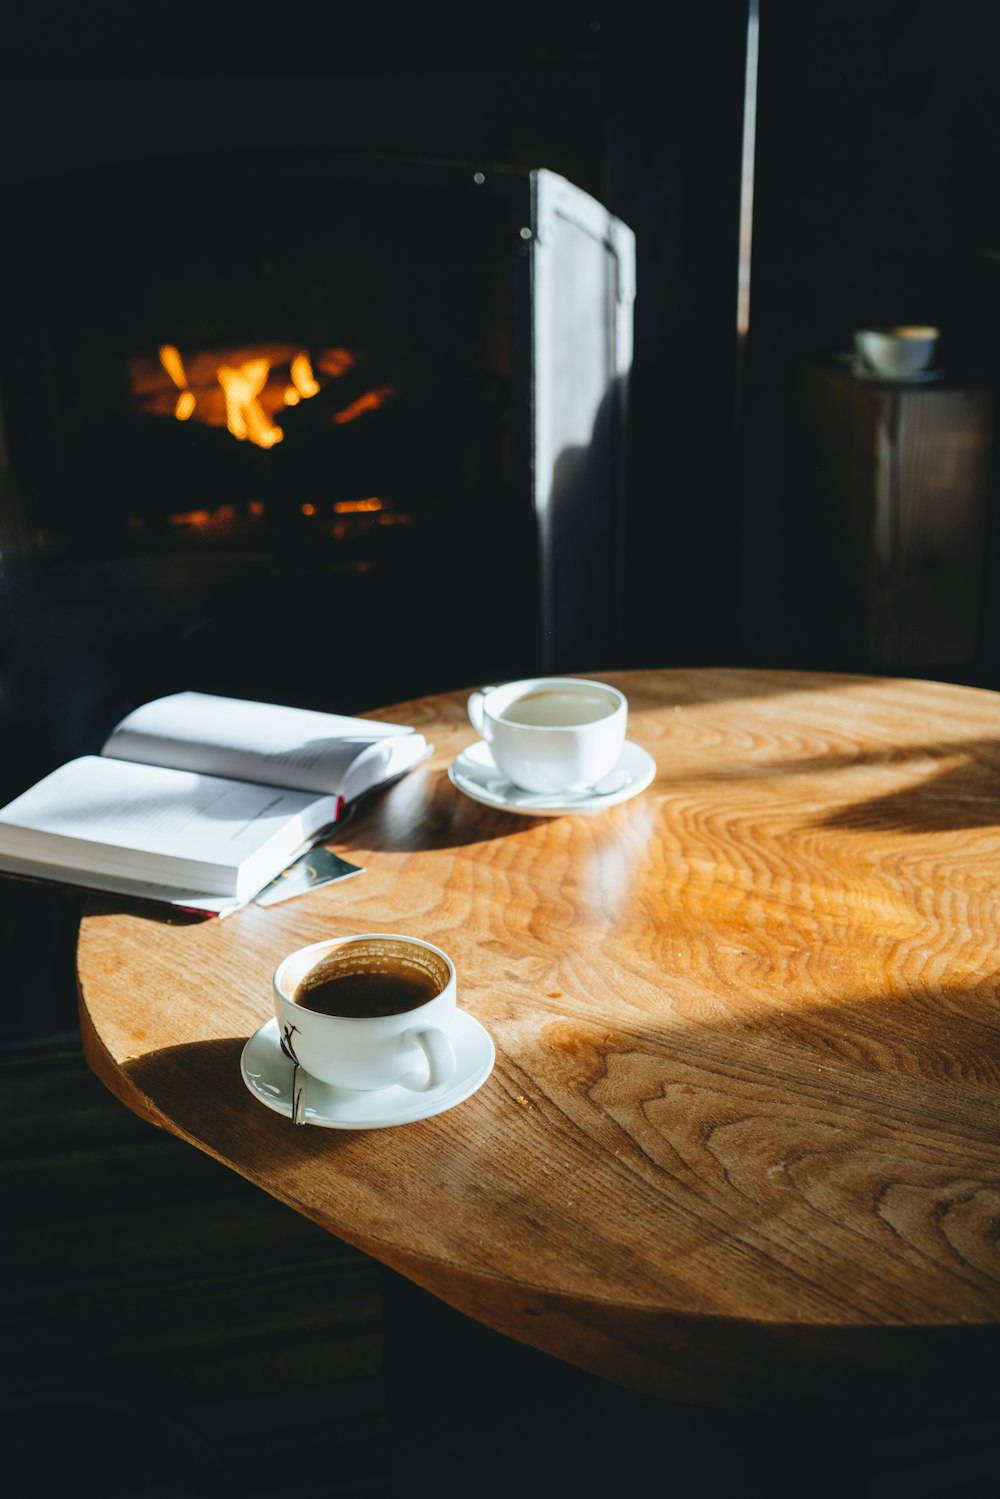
x,y
252,394
336,432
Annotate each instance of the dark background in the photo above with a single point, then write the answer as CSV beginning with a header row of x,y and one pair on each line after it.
x,y
876,198
877,143
877,147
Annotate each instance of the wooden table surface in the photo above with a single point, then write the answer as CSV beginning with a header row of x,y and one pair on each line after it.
x,y
743,1130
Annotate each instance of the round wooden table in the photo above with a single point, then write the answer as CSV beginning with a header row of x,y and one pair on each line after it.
x,y
742,1136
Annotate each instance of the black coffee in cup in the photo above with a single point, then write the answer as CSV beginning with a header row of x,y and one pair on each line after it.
x,y
361,985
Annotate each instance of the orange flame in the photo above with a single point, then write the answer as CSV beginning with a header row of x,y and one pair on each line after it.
x,y
191,518
241,389
336,361
302,376
245,416
173,364
352,507
370,401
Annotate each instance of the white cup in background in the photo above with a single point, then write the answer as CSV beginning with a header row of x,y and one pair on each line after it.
x,y
897,352
552,734
365,1011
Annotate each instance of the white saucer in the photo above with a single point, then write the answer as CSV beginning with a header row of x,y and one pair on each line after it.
x,y
919,377
267,1072
475,773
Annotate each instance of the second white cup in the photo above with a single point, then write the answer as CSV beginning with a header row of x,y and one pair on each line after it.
x,y
552,734
899,352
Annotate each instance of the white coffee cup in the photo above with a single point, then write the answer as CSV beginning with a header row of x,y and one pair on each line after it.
x,y
552,734
897,352
369,1011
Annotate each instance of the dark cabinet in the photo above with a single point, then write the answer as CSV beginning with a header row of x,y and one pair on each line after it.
x,y
897,480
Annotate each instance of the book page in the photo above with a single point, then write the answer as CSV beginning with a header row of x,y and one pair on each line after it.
x,y
171,827
293,747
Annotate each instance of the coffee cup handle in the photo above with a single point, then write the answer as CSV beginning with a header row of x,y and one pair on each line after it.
x,y
441,1061
475,707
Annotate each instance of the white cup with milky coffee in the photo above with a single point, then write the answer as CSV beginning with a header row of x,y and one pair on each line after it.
x,y
898,353
369,1011
552,734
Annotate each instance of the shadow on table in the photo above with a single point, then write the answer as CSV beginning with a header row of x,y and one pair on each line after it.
x,y
675,1110
963,795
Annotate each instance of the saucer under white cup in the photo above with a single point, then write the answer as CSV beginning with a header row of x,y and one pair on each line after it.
x,y
476,774
920,377
268,1074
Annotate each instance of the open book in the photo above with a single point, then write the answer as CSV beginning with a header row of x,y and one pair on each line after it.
x,y
200,801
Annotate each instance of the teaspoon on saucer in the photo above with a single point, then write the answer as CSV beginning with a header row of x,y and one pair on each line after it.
x,y
298,1088
615,780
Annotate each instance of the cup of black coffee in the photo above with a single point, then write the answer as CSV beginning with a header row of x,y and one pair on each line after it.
x,y
369,1011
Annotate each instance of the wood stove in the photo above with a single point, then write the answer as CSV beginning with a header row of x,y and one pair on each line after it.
x,y
326,431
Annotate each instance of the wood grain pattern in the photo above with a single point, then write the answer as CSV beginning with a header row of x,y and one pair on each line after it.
x,y
744,1125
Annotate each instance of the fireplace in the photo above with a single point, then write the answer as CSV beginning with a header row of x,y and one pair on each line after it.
x,y
333,432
